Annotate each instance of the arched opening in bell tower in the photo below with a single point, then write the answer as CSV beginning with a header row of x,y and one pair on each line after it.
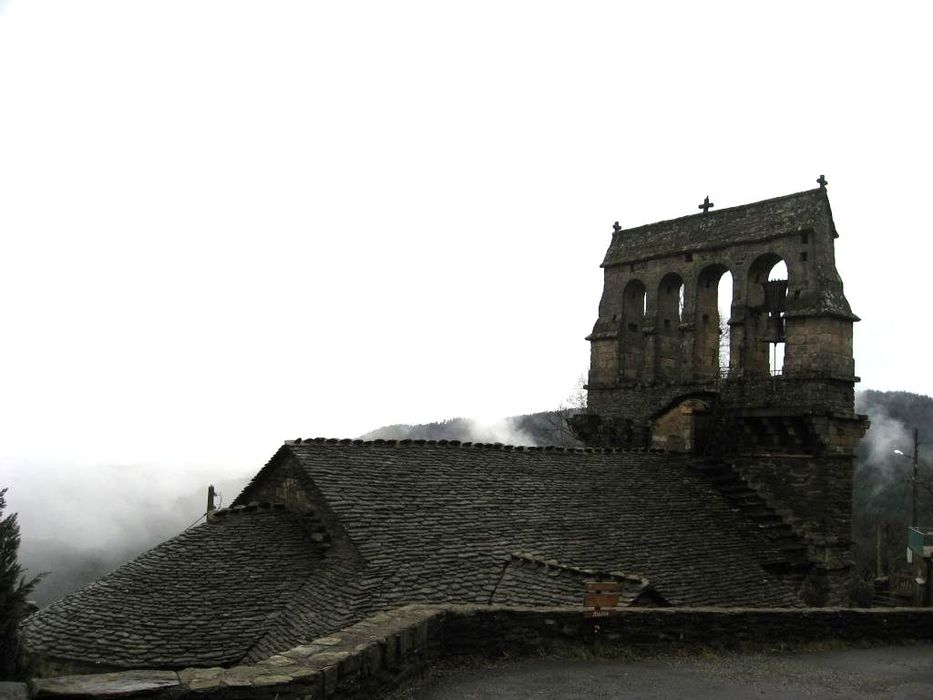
x,y
775,295
724,306
713,313
765,338
668,319
631,333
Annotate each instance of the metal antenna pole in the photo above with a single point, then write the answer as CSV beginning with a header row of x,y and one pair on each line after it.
x,y
913,516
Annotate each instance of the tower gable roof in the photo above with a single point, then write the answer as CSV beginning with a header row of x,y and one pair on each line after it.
x,y
748,223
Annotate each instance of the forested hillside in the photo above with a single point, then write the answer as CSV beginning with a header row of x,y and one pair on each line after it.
x,y
546,428
882,481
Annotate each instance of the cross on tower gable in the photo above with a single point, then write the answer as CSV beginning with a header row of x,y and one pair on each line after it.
x,y
707,205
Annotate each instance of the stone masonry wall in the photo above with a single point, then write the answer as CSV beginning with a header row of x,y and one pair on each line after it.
x,y
826,405
383,651
793,395
283,486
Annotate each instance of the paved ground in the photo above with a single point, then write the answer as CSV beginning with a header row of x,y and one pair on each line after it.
x,y
882,672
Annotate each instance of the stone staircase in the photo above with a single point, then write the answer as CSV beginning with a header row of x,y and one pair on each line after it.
x,y
791,564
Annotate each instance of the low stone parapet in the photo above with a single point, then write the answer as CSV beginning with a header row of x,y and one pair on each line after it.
x,y
388,648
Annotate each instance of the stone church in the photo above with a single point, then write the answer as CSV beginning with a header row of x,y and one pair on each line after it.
x,y
701,485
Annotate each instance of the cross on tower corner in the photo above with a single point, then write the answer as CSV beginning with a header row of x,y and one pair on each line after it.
x,y
823,182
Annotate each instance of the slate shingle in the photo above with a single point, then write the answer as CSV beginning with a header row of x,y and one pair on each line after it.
x,y
202,598
436,523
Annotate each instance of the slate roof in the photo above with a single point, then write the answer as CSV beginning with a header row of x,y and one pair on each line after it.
x,y
413,521
437,521
331,598
203,598
758,221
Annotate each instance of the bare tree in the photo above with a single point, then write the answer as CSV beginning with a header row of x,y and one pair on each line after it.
x,y
571,405
725,332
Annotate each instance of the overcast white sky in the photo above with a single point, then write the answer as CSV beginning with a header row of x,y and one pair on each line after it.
x,y
225,224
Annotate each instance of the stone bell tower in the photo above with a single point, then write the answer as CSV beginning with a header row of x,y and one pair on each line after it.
x,y
656,378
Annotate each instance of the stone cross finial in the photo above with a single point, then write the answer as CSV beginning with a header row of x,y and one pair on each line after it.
x,y
707,205
823,182
616,228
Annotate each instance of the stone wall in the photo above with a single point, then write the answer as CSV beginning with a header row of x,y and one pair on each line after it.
x,y
793,395
389,648
822,411
282,485
46,667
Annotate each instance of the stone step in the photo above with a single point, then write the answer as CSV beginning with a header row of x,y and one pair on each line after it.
x,y
783,536
793,548
733,486
763,515
715,470
751,501
794,571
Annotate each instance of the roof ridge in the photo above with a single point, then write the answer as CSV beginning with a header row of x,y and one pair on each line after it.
x,y
713,214
420,442
555,564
